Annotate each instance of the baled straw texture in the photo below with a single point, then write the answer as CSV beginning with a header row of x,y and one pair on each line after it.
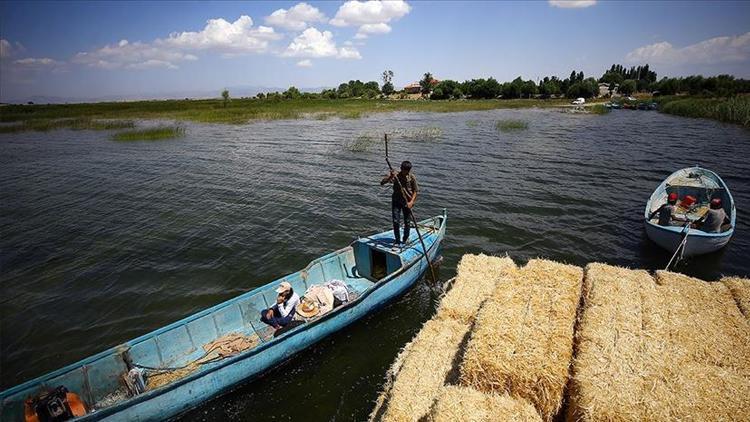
x,y
390,377
607,368
701,322
740,288
672,351
477,277
522,342
424,369
467,404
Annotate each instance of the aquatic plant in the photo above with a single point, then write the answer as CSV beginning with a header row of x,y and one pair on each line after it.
x,y
732,110
509,125
151,134
598,109
425,133
472,123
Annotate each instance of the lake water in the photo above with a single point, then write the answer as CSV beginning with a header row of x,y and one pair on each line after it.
x,y
104,241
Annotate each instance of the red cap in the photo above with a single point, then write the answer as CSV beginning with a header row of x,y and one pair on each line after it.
x,y
716,203
672,196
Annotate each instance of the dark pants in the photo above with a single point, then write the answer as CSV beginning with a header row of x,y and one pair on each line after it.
x,y
277,320
398,208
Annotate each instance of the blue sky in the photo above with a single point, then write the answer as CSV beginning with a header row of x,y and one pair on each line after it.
x,y
131,49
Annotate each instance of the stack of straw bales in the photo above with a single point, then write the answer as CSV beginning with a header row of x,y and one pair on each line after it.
x,y
740,288
467,404
673,349
422,368
478,275
522,342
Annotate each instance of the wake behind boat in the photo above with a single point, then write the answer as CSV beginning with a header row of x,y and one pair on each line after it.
x,y
175,368
694,189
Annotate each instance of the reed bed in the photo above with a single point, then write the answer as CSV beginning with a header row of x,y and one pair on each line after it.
x,y
467,404
511,125
73,124
658,351
476,280
740,289
423,370
732,110
598,109
151,134
522,341
367,141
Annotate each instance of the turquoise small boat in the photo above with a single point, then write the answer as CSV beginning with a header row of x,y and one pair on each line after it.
x,y
373,271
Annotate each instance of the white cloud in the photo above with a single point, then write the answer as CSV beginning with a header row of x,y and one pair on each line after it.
x,y
37,62
8,49
356,13
220,35
316,44
715,50
135,55
296,18
372,29
305,63
572,4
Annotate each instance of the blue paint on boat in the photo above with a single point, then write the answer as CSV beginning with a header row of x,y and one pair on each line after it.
x,y
705,185
372,270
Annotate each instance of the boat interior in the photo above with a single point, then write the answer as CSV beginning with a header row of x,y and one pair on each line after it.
x,y
103,380
695,189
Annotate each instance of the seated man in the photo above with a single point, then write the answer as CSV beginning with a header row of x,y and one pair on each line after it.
x,y
282,312
712,221
667,211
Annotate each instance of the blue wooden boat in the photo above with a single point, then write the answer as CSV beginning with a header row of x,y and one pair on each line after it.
x,y
373,271
703,185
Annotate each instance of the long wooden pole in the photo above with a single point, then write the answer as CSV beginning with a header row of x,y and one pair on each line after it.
x,y
413,219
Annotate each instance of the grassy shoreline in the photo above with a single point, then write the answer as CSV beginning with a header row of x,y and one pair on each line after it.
x,y
731,110
242,111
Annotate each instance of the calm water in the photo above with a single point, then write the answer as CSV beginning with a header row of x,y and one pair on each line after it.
x,y
104,241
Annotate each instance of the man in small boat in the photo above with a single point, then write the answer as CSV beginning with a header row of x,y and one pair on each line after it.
x,y
666,212
402,202
282,312
713,219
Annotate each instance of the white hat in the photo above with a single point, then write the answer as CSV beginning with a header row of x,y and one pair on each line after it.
x,y
285,286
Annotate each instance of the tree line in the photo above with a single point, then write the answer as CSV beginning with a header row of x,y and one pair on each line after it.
x,y
625,81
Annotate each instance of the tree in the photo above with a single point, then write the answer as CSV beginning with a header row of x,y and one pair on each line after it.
x,y
426,84
260,96
225,96
627,87
387,78
446,89
292,93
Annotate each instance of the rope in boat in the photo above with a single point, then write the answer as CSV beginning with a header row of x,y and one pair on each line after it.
x,y
680,247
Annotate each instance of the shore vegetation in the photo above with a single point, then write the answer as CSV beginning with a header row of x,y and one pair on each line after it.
x,y
732,110
81,123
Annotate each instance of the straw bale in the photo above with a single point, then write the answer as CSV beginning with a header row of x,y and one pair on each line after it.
x,y
701,322
390,377
740,288
522,342
424,369
467,404
476,279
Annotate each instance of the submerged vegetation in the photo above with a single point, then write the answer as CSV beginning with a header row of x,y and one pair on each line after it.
x,y
151,134
732,110
598,109
367,141
45,125
509,125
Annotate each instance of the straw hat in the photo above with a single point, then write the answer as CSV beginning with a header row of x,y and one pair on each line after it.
x,y
308,308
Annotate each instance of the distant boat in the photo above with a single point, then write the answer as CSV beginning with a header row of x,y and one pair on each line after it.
x,y
373,272
701,185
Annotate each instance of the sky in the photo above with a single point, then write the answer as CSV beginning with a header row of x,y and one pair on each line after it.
x,y
119,50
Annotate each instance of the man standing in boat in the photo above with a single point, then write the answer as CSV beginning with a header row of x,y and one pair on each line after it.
x,y
405,190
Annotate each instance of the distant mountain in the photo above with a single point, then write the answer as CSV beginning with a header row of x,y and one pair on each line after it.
x,y
234,92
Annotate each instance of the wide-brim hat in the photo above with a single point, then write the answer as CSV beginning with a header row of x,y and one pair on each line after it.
x,y
308,308
284,287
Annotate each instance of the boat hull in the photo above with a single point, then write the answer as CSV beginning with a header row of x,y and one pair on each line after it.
x,y
697,243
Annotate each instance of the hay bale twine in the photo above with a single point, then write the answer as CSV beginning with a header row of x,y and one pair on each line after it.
x,y
476,279
424,369
740,289
457,403
522,341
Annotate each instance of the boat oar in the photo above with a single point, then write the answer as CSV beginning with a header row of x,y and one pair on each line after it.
x,y
413,219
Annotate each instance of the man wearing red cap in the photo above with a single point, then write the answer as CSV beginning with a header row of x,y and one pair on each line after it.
x,y
667,211
712,221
